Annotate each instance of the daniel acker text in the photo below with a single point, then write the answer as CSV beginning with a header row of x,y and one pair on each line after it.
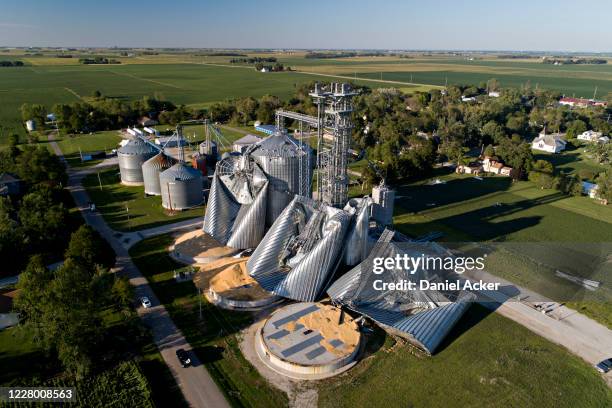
x,y
413,264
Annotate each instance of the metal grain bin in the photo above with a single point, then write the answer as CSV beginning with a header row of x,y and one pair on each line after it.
x,y
181,187
288,167
151,170
131,158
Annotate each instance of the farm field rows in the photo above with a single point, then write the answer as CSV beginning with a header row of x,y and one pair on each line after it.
x,y
190,84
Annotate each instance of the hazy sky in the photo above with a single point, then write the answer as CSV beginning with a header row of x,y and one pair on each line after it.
x,y
572,25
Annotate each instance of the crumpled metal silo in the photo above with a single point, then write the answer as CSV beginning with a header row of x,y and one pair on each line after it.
x,y
287,164
237,203
131,157
357,239
424,317
181,187
300,252
152,168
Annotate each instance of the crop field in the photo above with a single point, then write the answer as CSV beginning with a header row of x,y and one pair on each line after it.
x,y
579,80
181,83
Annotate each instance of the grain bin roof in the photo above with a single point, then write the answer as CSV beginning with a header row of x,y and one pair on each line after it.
x,y
180,172
137,146
159,161
278,145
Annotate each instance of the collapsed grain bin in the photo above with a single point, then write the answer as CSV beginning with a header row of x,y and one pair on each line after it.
x,y
152,168
298,255
287,164
181,187
237,203
131,157
423,317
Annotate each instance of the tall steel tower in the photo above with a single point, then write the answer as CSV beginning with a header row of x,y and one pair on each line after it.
x,y
334,109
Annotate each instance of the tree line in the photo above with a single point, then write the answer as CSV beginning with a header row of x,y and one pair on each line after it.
x,y
36,221
11,64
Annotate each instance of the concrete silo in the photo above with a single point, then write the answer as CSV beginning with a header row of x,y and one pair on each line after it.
x,y
131,158
287,164
152,168
181,187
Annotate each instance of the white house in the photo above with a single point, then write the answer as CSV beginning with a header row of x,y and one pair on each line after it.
x,y
494,94
491,165
551,143
590,136
264,69
468,99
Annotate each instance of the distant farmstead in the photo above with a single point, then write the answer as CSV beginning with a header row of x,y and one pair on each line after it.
x,y
581,102
551,143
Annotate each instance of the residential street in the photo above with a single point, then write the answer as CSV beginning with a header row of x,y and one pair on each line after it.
x,y
195,382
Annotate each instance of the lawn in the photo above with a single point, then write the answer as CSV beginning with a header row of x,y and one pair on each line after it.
x,y
486,361
495,209
125,208
73,145
573,159
214,336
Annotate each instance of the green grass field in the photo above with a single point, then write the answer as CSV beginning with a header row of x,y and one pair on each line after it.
x,y
181,83
495,209
486,361
214,336
73,145
144,212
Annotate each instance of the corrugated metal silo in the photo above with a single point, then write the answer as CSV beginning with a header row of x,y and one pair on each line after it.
x,y
152,168
288,167
131,158
181,187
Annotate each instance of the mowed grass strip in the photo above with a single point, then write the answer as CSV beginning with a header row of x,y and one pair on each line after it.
x,y
72,146
214,337
126,208
486,361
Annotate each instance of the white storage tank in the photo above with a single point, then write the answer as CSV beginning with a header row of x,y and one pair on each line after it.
x,y
181,187
131,158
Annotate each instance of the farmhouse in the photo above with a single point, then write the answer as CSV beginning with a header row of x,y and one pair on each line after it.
x,y
474,168
551,143
593,137
9,184
492,165
581,102
494,94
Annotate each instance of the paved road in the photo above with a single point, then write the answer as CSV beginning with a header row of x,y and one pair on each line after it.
x,y
195,382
